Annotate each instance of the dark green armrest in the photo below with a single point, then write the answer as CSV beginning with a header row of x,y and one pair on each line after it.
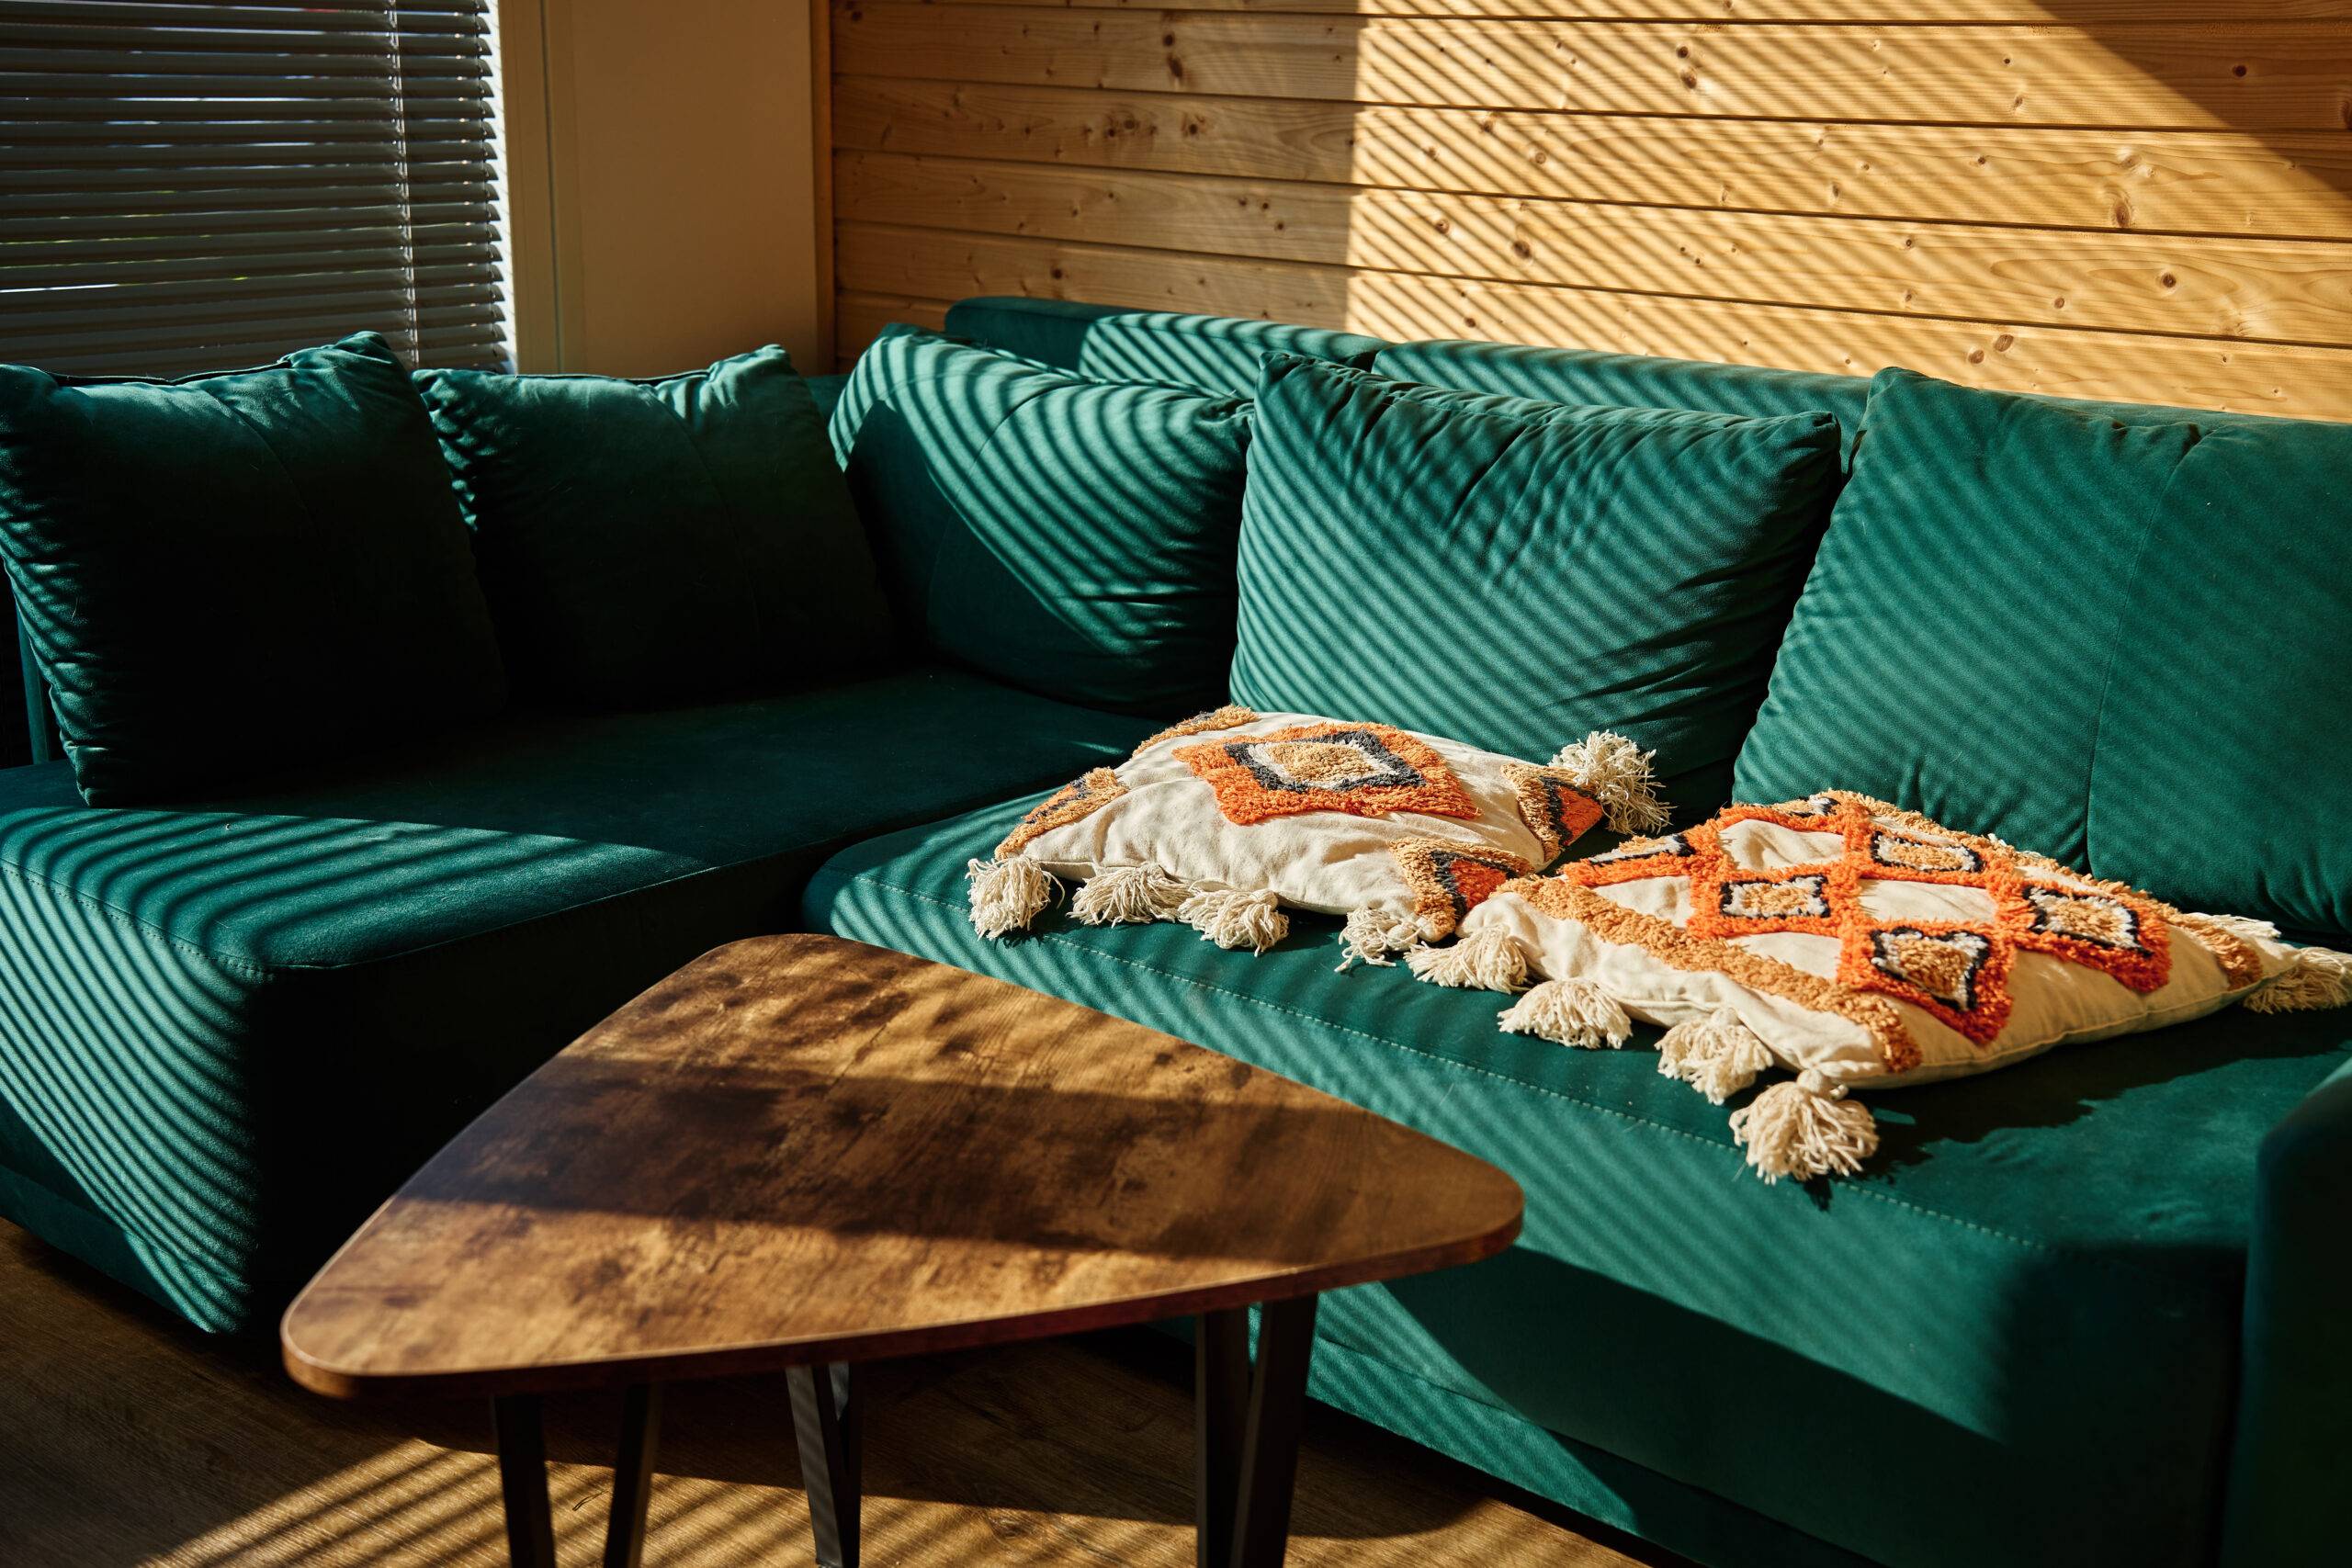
x,y
2290,1500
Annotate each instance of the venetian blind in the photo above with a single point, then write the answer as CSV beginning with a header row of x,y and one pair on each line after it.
x,y
188,186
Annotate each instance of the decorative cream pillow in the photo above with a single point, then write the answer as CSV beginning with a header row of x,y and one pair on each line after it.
x,y
1221,820
1859,946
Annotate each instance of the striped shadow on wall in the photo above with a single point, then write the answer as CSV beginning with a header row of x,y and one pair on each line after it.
x,y
2139,200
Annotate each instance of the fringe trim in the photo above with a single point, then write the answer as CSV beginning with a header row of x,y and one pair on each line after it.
x,y
1232,919
1574,1013
1006,895
1489,959
1804,1130
1129,894
1616,773
1072,802
2236,925
1231,716
1717,1055
2230,938
2314,977
1372,936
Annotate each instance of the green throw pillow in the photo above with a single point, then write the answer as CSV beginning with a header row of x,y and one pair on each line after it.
x,y
1071,537
649,541
1514,573
229,575
2117,635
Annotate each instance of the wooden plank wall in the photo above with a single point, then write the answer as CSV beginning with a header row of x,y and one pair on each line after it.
x,y
2138,200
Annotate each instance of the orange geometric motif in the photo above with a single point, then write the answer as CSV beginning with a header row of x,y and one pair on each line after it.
x,y
1449,880
1554,808
1231,716
1364,769
1956,970
1072,801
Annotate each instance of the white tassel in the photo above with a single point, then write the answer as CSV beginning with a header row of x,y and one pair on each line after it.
x,y
1574,1013
1616,773
2314,977
2243,926
1372,936
1718,1056
1007,894
1804,1129
1488,958
1254,920
1128,896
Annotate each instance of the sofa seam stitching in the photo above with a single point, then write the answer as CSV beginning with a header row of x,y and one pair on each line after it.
x,y
130,1233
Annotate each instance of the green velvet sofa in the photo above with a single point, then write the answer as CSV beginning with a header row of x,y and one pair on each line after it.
x,y
2086,1312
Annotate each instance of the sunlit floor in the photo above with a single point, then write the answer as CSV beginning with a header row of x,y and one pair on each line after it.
x,y
125,1439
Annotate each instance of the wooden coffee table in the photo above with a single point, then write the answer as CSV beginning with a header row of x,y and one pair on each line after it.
x,y
799,1153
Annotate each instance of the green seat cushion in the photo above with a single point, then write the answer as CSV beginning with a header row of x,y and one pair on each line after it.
x,y
659,540
226,575
1513,573
1072,537
2114,637
227,1031
1215,353
2032,1296
1637,380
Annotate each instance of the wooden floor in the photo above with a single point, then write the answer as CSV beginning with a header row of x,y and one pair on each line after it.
x,y
125,1439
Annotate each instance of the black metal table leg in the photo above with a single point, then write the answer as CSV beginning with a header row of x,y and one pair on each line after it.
x,y
1247,1426
1220,1424
633,1476
1270,1453
523,1480
824,1422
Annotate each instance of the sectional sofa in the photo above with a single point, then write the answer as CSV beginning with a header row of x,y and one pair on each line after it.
x,y
2088,1311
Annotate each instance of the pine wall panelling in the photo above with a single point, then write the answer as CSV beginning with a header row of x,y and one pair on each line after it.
x,y
2140,199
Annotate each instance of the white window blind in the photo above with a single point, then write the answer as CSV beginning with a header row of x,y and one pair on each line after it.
x,y
188,186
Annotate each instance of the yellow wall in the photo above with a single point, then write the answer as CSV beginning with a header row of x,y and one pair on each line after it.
x,y
663,169
2139,200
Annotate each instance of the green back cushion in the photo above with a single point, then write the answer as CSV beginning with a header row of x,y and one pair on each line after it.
x,y
2117,640
1514,573
1073,537
1638,380
656,540
1216,353
229,575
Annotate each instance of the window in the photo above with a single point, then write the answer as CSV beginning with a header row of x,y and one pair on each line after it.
x,y
191,186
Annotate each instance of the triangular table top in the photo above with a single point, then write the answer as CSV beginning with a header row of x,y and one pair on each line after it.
x,y
799,1150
